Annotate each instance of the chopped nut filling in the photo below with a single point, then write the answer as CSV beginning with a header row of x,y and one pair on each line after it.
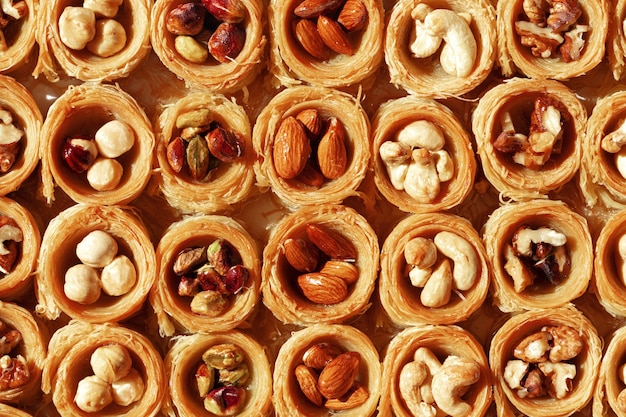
x,y
202,144
552,29
542,364
430,387
14,370
544,139
537,255
10,139
417,162
10,244
11,13
210,275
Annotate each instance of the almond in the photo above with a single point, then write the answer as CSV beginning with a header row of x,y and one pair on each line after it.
x,y
332,156
333,35
310,39
292,148
301,254
311,119
342,269
356,396
310,176
353,16
307,380
339,375
310,9
323,289
320,354
332,243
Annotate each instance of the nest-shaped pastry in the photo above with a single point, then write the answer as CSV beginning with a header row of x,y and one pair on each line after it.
x,y
113,51
602,171
616,40
307,292
27,118
229,73
458,268
366,372
8,411
416,46
59,253
185,356
331,67
537,41
438,134
442,342
308,188
173,307
609,278
609,395
81,112
32,348
21,260
563,321
18,37
225,185
516,285
70,361
519,157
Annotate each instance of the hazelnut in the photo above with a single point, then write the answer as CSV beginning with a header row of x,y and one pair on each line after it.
x,y
128,389
114,139
118,277
110,38
226,42
79,153
111,362
92,394
105,174
77,26
186,19
103,8
97,249
82,284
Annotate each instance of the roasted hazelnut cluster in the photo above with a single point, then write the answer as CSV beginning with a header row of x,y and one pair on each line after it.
x,y
551,28
537,256
210,274
543,364
10,238
441,265
544,138
14,371
101,269
417,161
430,387
324,262
328,377
326,27
93,26
310,148
114,380
210,28
11,13
10,139
98,155
202,144
221,379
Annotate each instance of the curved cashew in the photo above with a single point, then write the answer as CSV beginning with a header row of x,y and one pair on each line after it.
x,y
463,255
422,134
620,162
438,288
422,180
423,44
444,164
395,156
451,382
412,376
459,53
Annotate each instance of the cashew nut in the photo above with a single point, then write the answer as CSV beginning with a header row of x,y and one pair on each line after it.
x,y
422,134
438,289
423,44
426,356
459,51
452,381
621,373
110,38
422,180
525,237
77,26
620,162
462,254
444,165
412,376
395,155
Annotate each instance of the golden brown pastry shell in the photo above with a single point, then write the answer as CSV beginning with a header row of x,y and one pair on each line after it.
x,y
609,384
20,42
607,280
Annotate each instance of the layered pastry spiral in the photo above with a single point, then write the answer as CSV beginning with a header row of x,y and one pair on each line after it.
x,y
18,33
609,396
609,274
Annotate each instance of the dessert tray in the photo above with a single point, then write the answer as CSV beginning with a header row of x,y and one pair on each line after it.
x,y
312,208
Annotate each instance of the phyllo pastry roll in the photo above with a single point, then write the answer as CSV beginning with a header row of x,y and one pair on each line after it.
x,y
320,266
8,411
610,394
440,49
529,135
330,43
312,145
19,248
92,40
541,255
23,347
96,264
216,44
551,39
103,370
205,153
616,39
433,270
327,369
20,123
603,171
545,363
424,161
209,275
435,370
97,146
218,374
18,31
